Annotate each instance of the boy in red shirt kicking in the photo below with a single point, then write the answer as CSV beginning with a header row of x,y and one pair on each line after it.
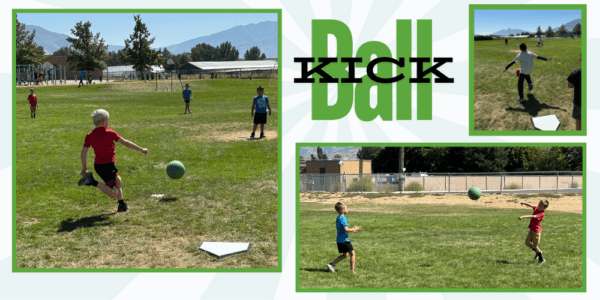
x,y
102,140
535,228
32,99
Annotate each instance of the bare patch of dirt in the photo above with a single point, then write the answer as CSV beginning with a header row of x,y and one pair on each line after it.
x,y
565,203
233,136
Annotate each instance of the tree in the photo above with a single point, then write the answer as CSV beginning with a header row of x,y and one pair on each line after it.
x,y
539,32
320,153
137,48
337,156
312,157
204,52
114,59
577,29
227,52
562,30
62,51
28,52
263,57
368,152
182,59
87,50
252,54
549,32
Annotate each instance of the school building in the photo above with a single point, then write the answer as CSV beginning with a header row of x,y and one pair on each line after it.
x,y
338,166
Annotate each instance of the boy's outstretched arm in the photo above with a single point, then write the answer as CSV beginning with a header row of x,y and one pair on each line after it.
x,y
269,107
84,152
543,58
527,217
354,229
132,145
523,203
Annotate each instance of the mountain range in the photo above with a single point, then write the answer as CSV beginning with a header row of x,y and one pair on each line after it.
x,y
347,153
569,27
243,37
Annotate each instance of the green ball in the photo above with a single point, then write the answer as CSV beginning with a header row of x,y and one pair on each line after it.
x,y
175,169
474,193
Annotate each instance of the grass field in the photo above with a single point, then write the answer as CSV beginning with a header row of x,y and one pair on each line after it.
x,y
495,93
229,191
418,242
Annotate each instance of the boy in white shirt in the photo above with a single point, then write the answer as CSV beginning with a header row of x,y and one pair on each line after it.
x,y
526,58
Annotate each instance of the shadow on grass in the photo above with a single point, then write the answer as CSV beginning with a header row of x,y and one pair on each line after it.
x,y
503,261
533,107
314,270
170,199
70,225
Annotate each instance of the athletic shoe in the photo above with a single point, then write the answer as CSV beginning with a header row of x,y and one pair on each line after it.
x,y
542,261
537,255
252,134
86,179
520,99
531,86
353,272
330,267
262,135
123,208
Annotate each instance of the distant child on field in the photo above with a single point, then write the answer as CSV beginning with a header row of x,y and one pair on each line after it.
x,y
187,97
342,240
32,99
505,41
540,42
574,80
260,104
102,140
526,58
535,228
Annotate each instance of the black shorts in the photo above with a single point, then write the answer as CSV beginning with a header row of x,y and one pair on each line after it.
x,y
260,118
108,173
187,102
345,247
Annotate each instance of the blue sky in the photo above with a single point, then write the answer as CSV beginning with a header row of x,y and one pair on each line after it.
x,y
490,21
168,28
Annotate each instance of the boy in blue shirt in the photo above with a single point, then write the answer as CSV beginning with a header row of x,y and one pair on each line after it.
x,y
187,97
260,105
342,240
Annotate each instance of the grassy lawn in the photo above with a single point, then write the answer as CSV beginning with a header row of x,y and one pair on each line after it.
x,y
424,246
228,193
496,94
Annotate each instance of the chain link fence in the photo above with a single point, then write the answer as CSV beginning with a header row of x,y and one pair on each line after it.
x,y
518,182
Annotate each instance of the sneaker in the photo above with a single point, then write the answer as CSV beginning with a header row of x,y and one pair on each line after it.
x,y
352,272
123,207
520,99
252,135
537,255
86,179
262,135
330,267
542,261
531,86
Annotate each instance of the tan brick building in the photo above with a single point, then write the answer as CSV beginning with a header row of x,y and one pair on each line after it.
x,y
338,166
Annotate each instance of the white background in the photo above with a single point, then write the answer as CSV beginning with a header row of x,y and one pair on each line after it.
x,y
368,20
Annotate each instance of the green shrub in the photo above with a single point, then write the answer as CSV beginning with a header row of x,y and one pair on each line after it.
x,y
414,187
512,186
574,185
364,184
335,188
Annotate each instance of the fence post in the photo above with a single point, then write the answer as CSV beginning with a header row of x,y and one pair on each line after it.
x,y
486,183
540,184
522,182
449,186
557,182
501,184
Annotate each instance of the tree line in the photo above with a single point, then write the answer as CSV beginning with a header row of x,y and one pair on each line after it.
x,y
473,159
88,50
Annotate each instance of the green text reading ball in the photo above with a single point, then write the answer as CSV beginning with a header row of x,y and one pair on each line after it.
x,y
175,169
474,193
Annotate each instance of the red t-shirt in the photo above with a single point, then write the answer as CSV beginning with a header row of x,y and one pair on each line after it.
x,y
536,223
102,140
32,100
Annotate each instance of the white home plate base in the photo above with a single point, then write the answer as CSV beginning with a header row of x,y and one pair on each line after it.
x,y
546,123
221,250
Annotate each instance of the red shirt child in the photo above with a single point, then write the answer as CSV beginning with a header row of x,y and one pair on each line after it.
x,y
32,100
102,139
535,224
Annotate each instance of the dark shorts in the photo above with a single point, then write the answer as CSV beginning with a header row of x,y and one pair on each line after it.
x,y
260,118
576,113
345,247
187,102
108,173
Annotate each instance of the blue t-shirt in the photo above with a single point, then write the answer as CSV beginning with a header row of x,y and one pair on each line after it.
x,y
261,103
186,94
342,235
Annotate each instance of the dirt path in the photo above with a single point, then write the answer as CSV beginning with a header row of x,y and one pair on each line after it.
x,y
565,203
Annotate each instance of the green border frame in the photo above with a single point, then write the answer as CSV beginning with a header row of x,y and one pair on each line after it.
x,y
583,289
14,140
472,8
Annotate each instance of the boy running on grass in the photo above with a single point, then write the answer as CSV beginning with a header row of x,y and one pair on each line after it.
x,y
32,99
187,97
260,104
342,240
526,58
535,228
102,140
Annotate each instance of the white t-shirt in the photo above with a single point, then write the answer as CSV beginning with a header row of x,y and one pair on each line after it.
x,y
539,40
526,59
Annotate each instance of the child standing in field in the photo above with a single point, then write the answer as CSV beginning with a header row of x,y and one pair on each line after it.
x,y
574,80
32,99
343,241
102,140
540,42
260,105
535,228
187,97
526,58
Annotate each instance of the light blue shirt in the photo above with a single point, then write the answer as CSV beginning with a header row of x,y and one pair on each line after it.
x,y
342,235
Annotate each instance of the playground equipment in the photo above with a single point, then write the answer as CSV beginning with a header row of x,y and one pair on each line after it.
x,y
39,74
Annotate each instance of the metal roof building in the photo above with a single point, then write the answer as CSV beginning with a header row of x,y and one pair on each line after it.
x,y
128,70
228,66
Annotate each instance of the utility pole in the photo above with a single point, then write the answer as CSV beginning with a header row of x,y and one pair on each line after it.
x,y
401,171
